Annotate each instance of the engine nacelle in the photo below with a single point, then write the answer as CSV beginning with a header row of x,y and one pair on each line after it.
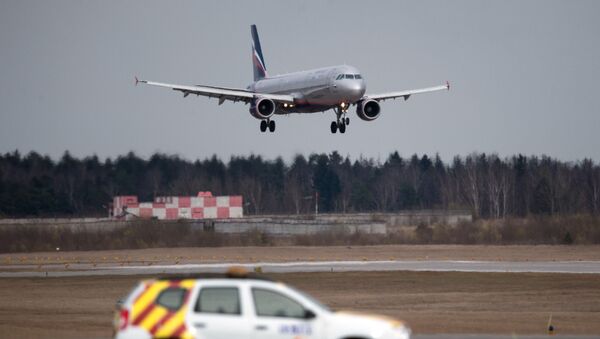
x,y
368,110
262,108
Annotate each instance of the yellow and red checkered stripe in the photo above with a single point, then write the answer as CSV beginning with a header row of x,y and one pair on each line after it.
x,y
159,321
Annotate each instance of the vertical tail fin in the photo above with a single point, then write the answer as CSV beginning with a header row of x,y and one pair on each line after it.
x,y
258,62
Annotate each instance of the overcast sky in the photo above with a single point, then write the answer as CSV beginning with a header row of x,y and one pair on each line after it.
x,y
524,76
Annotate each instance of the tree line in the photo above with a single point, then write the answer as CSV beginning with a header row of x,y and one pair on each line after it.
x,y
489,186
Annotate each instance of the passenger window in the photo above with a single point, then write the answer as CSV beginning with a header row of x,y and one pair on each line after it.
x,y
272,304
221,300
171,298
357,76
349,76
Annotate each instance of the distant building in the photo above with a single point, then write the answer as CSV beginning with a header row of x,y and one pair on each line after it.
x,y
202,206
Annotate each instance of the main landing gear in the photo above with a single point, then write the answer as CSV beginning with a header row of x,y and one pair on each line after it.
x,y
341,119
270,124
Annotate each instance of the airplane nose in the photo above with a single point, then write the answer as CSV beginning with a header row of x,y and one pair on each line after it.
x,y
357,89
362,88
354,89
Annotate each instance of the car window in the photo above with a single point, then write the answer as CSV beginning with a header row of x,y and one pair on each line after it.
x,y
221,300
273,304
171,297
311,298
349,76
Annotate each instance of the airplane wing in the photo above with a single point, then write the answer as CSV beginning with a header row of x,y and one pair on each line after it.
x,y
406,94
222,93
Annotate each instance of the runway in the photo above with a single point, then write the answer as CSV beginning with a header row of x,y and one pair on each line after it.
x,y
569,267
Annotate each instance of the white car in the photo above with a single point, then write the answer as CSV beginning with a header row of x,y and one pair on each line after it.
x,y
239,306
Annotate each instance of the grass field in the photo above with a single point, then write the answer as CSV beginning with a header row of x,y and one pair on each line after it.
x,y
431,302
144,234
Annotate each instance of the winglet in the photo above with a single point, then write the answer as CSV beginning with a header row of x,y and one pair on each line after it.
x,y
137,81
448,85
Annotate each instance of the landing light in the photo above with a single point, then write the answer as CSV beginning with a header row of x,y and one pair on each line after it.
x,y
343,104
285,104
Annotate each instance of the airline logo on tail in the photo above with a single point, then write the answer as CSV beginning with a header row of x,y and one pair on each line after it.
x,y
260,70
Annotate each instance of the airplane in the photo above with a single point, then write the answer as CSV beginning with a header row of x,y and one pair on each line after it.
x,y
311,91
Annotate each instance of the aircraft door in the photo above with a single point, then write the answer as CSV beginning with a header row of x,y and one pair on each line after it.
x,y
333,86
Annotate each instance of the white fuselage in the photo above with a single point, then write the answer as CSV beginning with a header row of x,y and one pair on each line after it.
x,y
315,90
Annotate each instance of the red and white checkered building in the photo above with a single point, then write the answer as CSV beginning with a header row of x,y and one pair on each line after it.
x,y
203,206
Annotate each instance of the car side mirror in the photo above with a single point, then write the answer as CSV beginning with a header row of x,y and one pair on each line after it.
x,y
308,314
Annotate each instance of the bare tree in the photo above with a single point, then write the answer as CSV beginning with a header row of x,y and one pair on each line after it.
x,y
596,191
471,184
253,190
294,190
385,191
495,187
345,195
592,185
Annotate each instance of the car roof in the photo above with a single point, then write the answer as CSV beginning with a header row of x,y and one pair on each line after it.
x,y
206,276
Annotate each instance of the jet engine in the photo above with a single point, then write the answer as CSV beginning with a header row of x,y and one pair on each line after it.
x,y
262,108
368,110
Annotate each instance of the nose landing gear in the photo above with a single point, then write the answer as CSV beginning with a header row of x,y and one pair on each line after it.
x,y
270,124
341,119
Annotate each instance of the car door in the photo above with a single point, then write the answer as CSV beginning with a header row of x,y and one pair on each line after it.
x,y
217,313
280,316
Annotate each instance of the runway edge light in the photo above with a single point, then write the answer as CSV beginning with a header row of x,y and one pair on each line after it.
x,y
550,326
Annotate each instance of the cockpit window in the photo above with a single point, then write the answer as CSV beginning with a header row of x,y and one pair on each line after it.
x,y
348,76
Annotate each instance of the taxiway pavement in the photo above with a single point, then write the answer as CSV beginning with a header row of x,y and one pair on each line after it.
x,y
571,267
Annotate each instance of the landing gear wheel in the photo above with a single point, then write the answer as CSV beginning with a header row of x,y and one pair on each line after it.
x,y
342,128
272,126
334,127
347,121
263,125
